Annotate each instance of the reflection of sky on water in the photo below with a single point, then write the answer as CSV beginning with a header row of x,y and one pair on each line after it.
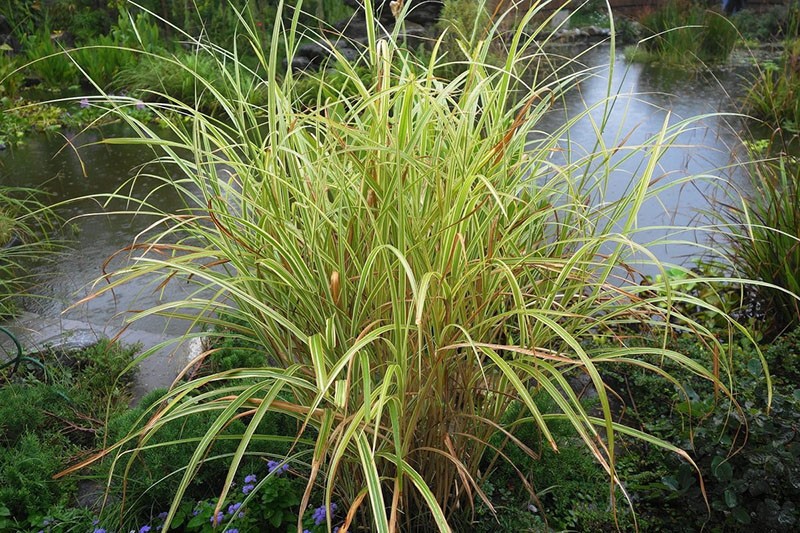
x,y
648,97
69,167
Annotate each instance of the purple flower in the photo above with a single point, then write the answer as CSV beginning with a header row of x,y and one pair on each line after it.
x,y
320,513
139,104
247,488
217,518
144,529
163,515
99,530
84,103
231,531
276,465
232,508
250,479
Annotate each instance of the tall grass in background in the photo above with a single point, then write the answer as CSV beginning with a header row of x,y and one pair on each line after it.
x,y
684,32
774,93
764,238
415,264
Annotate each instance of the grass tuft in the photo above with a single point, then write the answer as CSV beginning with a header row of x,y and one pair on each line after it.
x,y
413,263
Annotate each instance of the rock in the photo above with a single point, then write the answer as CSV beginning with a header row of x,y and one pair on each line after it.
x,y
419,11
8,43
348,37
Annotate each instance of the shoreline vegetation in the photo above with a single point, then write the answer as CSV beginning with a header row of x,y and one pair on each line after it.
x,y
403,334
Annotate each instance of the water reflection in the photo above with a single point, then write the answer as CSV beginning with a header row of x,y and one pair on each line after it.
x,y
648,98
70,167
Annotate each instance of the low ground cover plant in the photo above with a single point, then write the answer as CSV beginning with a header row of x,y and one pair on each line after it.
x,y
53,408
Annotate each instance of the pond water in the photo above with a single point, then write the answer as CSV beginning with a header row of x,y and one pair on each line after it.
x,y
648,96
69,167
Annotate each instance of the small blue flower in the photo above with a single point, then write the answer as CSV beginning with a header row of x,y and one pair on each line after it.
x,y
321,514
84,103
276,465
250,478
247,488
217,518
145,529
231,531
99,530
139,104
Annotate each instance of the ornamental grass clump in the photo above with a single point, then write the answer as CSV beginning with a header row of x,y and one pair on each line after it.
x,y
413,261
763,237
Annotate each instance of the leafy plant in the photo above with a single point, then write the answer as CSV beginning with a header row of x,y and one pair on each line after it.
x,y
412,262
102,59
11,77
49,61
751,454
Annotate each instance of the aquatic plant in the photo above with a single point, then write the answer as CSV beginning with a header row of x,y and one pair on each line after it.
x,y
774,92
413,261
683,32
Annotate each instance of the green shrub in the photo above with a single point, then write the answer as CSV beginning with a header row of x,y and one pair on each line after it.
x,y
101,371
24,410
26,469
774,23
153,474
